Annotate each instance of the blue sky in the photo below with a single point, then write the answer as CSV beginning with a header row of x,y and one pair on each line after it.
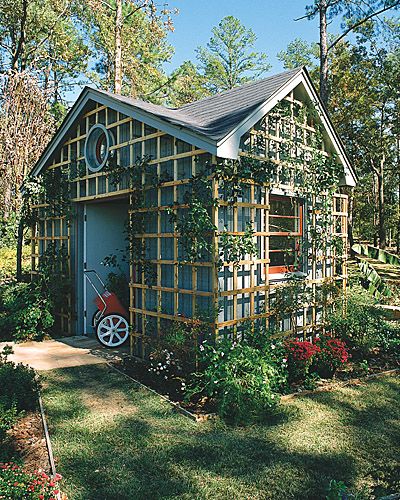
x,y
271,20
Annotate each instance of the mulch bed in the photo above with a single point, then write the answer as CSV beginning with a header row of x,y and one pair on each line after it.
x,y
27,443
204,408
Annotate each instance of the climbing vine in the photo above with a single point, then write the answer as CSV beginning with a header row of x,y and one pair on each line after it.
x,y
296,165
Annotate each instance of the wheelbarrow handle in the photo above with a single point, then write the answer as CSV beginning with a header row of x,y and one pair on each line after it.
x,y
94,287
97,276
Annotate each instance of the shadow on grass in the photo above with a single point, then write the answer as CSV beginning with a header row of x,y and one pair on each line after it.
x,y
154,453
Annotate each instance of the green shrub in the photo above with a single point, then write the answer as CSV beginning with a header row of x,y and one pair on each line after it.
x,y
360,325
9,230
337,490
17,383
8,259
243,380
25,311
389,338
173,356
118,284
8,418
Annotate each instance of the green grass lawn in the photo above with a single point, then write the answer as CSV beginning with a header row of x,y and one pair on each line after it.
x,y
115,441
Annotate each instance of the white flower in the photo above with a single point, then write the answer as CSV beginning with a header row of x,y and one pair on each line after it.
x,y
201,348
284,360
273,346
222,353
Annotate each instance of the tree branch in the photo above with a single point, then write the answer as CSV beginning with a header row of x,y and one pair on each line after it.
x,y
359,23
144,4
50,32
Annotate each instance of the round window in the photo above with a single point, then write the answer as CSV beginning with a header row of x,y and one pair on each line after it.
x,y
97,147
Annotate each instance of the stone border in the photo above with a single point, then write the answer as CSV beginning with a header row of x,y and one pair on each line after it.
x,y
338,385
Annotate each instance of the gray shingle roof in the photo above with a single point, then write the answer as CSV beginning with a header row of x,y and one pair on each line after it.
x,y
215,116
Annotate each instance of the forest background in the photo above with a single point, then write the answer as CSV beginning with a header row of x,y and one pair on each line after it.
x,y
175,53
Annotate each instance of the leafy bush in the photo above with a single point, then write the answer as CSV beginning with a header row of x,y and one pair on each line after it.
x,y
243,381
173,356
337,490
18,392
330,354
25,311
362,326
8,230
8,258
118,284
17,382
16,484
389,338
8,418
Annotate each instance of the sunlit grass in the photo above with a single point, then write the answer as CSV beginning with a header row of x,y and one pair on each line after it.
x,y
8,260
115,441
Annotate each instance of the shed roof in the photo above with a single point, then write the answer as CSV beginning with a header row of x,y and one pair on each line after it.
x,y
215,116
214,124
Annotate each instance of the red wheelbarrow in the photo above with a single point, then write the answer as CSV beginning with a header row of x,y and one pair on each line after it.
x,y
110,320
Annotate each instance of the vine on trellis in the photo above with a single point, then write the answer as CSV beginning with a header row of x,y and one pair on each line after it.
x,y
310,174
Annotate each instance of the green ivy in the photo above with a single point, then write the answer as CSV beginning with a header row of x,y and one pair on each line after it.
x,y
235,248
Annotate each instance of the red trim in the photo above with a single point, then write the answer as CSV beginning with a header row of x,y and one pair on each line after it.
x,y
299,234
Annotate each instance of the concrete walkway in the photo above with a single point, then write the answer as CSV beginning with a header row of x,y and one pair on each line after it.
x,y
64,352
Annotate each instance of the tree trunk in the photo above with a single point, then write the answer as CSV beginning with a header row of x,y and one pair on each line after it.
x,y
17,56
398,203
350,191
20,242
118,48
323,53
381,206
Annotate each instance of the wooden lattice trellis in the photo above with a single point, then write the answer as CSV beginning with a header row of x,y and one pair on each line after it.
x,y
182,289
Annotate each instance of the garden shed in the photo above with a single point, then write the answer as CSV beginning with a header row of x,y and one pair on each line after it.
x,y
211,210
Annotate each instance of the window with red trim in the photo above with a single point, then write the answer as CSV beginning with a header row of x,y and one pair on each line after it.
x,y
286,232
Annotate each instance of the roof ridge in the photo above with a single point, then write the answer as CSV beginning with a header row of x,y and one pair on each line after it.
x,y
141,104
247,84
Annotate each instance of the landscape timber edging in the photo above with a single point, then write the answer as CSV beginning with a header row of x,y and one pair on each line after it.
x,y
204,417
47,437
193,416
341,383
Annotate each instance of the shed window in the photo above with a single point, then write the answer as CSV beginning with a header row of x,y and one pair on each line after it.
x,y
286,231
97,145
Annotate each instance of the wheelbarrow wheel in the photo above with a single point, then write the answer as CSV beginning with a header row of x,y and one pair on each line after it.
x,y
112,330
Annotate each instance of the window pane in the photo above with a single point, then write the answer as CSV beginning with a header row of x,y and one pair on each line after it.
x,y
281,259
282,251
282,243
283,225
283,206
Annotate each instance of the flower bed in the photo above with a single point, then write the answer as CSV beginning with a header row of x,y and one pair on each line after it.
x,y
245,380
17,484
21,435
